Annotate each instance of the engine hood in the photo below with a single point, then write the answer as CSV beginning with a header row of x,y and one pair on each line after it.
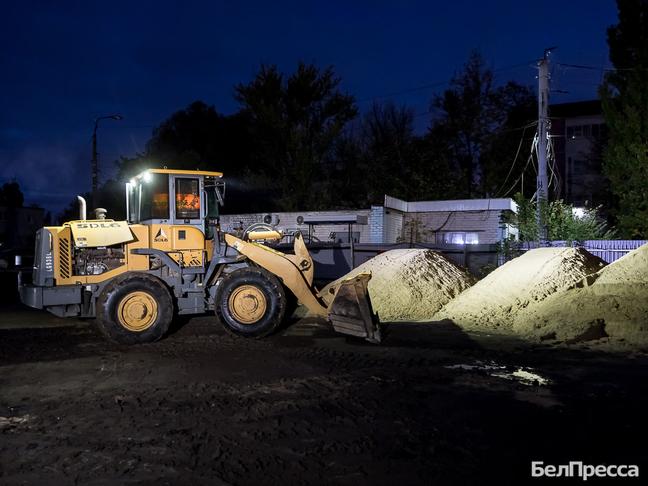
x,y
102,232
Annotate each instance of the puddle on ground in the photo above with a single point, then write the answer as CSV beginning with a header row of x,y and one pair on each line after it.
x,y
522,375
6,422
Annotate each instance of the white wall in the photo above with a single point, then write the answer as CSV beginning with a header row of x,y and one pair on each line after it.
x,y
385,223
287,221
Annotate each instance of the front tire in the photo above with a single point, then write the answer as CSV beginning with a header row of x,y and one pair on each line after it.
x,y
135,309
251,302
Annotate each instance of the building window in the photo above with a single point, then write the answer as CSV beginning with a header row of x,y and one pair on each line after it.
x,y
595,131
461,238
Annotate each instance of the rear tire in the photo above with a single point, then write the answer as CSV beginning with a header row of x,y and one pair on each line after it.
x,y
250,302
135,309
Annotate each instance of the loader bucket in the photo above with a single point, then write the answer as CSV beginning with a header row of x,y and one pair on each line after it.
x,y
351,313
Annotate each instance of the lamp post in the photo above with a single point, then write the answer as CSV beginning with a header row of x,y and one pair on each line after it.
x,y
95,155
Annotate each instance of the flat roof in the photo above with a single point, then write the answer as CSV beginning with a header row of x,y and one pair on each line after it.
x,y
335,219
494,204
575,109
184,172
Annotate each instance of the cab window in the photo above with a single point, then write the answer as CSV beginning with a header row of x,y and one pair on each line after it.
x,y
187,198
155,197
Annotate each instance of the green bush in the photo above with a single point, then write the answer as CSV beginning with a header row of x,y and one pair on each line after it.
x,y
561,220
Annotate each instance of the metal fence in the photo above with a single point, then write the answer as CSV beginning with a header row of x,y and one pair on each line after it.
x,y
607,250
332,260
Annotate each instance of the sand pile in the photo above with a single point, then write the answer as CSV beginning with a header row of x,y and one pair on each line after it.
x,y
494,302
410,284
630,268
612,303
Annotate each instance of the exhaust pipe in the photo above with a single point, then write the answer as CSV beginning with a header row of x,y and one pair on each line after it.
x,y
82,208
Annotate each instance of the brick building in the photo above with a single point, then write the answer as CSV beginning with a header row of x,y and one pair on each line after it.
x,y
578,133
458,222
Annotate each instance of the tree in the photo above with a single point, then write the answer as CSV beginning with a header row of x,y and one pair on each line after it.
x,y
506,150
296,123
11,196
387,140
188,139
296,143
345,177
474,116
198,137
563,222
624,96
394,160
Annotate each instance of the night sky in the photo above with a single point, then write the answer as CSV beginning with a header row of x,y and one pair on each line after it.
x,y
64,63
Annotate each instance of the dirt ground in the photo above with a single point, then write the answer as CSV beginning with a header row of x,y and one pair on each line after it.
x,y
432,405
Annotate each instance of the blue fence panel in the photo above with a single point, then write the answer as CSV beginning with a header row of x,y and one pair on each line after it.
x,y
607,250
612,250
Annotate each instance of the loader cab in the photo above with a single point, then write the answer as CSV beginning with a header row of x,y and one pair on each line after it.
x,y
175,197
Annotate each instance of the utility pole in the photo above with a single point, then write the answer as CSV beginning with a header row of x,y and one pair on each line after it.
x,y
542,191
95,156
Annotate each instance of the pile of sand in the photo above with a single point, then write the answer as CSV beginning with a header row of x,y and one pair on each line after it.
x,y
409,284
631,268
612,303
494,302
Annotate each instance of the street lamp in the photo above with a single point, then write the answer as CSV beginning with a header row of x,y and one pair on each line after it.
x,y
95,161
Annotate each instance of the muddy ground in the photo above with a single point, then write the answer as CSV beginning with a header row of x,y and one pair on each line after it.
x,y
306,406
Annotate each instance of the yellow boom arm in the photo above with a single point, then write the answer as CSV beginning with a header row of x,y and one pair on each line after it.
x,y
350,310
296,271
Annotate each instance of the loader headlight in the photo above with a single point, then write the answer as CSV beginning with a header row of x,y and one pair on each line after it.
x,y
147,177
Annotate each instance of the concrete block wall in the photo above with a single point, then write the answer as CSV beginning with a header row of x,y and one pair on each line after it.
x,y
393,229
376,222
432,224
287,221
388,223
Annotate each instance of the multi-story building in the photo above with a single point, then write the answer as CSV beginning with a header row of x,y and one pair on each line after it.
x,y
578,135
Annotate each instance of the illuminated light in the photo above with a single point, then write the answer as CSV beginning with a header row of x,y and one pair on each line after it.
x,y
457,239
132,182
147,177
461,238
579,213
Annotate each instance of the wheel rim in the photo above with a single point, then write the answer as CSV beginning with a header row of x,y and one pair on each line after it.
x,y
247,304
137,311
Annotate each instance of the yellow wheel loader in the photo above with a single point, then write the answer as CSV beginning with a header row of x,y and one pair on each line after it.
x,y
169,257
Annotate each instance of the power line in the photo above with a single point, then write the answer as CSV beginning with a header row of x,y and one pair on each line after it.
x,y
405,91
530,161
521,176
512,165
597,68
434,84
